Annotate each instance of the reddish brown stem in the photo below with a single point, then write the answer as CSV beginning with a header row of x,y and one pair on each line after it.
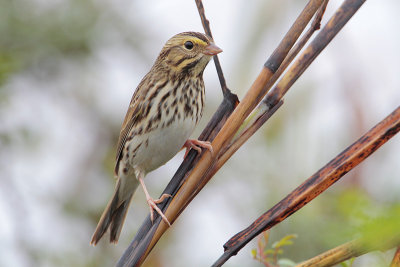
x,y
317,183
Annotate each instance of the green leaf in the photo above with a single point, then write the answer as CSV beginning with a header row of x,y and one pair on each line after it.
x,y
285,241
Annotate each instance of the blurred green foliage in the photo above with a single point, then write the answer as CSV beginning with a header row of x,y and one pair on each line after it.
x,y
32,33
356,215
368,217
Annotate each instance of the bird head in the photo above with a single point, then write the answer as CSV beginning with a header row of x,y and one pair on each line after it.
x,y
187,53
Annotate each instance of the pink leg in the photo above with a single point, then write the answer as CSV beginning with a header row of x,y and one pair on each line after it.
x,y
197,145
152,202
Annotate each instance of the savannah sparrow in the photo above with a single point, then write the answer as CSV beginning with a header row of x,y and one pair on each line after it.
x,y
163,112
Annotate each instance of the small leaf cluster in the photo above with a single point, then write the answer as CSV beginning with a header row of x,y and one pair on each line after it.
x,y
270,255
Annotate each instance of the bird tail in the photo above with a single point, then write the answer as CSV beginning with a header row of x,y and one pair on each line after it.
x,y
114,214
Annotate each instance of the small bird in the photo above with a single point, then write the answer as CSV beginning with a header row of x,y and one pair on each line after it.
x,y
163,112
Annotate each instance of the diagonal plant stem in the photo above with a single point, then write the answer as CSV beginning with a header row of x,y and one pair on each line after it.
x,y
266,109
231,149
333,26
350,250
315,25
317,183
206,26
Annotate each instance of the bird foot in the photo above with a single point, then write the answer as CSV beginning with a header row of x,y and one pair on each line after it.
x,y
197,145
153,206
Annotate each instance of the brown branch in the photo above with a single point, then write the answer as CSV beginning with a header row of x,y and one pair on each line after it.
x,y
231,149
207,29
396,258
315,25
317,183
333,26
265,110
350,250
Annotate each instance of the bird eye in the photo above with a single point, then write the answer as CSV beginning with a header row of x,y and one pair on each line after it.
x,y
189,45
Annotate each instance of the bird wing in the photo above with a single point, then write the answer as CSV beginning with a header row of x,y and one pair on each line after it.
x,y
133,114
130,118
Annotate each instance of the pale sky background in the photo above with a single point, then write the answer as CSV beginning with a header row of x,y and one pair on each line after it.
x,y
45,197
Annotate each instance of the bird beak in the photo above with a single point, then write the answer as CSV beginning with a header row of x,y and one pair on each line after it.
x,y
212,50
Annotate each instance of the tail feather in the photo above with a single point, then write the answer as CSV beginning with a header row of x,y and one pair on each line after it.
x,y
113,216
118,220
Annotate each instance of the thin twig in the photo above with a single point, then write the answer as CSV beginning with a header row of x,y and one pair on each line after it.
x,y
207,29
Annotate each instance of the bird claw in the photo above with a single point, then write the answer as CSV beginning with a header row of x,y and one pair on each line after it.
x,y
197,145
153,206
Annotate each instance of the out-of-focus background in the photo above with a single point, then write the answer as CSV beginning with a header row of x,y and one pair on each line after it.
x,y
67,73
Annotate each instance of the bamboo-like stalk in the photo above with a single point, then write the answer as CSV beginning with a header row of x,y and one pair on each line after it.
x,y
350,250
267,107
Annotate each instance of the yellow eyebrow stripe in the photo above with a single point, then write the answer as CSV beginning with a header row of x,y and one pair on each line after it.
x,y
199,41
196,41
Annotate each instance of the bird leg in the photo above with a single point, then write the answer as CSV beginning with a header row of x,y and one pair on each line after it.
x,y
153,202
197,145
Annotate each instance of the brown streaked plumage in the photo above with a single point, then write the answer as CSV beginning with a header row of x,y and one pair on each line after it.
x,y
163,112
